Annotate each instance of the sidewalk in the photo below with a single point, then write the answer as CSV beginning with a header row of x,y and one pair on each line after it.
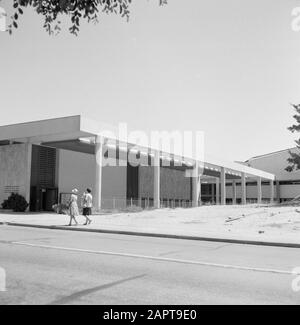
x,y
264,225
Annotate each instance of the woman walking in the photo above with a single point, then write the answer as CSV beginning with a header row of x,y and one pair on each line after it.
x,y
87,205
74,211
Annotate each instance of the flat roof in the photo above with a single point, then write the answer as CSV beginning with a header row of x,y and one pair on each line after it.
x,y
67,128
270,154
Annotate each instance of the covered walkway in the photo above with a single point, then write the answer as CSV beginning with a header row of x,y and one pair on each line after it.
x,y
78,134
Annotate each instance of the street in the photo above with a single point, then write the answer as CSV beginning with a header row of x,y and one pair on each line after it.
x,y
65,267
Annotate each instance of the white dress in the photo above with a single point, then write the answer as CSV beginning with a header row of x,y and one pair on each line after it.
x,y
74,211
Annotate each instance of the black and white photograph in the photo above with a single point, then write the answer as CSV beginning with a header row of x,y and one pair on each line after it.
x,y
149,155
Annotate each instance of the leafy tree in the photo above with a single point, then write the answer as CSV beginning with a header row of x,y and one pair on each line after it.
x,y
77,10
294,159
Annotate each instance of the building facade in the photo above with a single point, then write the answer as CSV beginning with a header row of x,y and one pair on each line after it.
x,y
287,183
45,160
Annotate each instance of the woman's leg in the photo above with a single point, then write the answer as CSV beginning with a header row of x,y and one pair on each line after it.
x,y
71,219
90,216
86,214
86,220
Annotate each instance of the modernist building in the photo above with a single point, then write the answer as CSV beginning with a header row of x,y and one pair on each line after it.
x,y
287,183
42,160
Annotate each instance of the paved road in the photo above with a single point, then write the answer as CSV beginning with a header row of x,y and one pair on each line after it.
x,y
65,267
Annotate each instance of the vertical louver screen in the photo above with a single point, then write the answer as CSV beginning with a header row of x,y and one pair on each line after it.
x,y
47,163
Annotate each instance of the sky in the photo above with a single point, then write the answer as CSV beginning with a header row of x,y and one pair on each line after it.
x,y
228,68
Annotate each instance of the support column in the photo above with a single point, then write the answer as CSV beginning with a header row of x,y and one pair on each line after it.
x,y
156,191
213,193
271,192
259,191
217,191
196,188
98,173
28,171
278,191
199,191
234,192
223,186
244,189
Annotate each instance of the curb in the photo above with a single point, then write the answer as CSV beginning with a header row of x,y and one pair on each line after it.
x,y
158,235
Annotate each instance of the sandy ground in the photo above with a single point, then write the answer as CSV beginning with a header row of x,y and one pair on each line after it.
x,y
279,224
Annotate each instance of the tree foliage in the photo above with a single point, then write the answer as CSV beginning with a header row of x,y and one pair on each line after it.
x,y
294,159
77,10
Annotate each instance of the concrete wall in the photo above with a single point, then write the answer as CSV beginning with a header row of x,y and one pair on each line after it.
x,y
289,191
77,170
173,183
251,192
276,163
13,170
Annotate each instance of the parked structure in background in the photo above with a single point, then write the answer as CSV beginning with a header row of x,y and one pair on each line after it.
x,y
43,160
287,183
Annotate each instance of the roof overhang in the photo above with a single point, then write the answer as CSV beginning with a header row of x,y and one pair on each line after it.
x,y
57,129
62,131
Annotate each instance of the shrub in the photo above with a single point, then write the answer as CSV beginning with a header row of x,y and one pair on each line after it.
x,y
60,208
15,202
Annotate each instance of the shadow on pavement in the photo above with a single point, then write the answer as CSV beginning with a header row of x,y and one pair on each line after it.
x,y
77,295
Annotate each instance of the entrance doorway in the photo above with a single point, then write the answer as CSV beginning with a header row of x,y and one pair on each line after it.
x,y
43,199
43,190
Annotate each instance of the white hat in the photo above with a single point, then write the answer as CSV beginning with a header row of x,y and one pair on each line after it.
x,y
75,191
